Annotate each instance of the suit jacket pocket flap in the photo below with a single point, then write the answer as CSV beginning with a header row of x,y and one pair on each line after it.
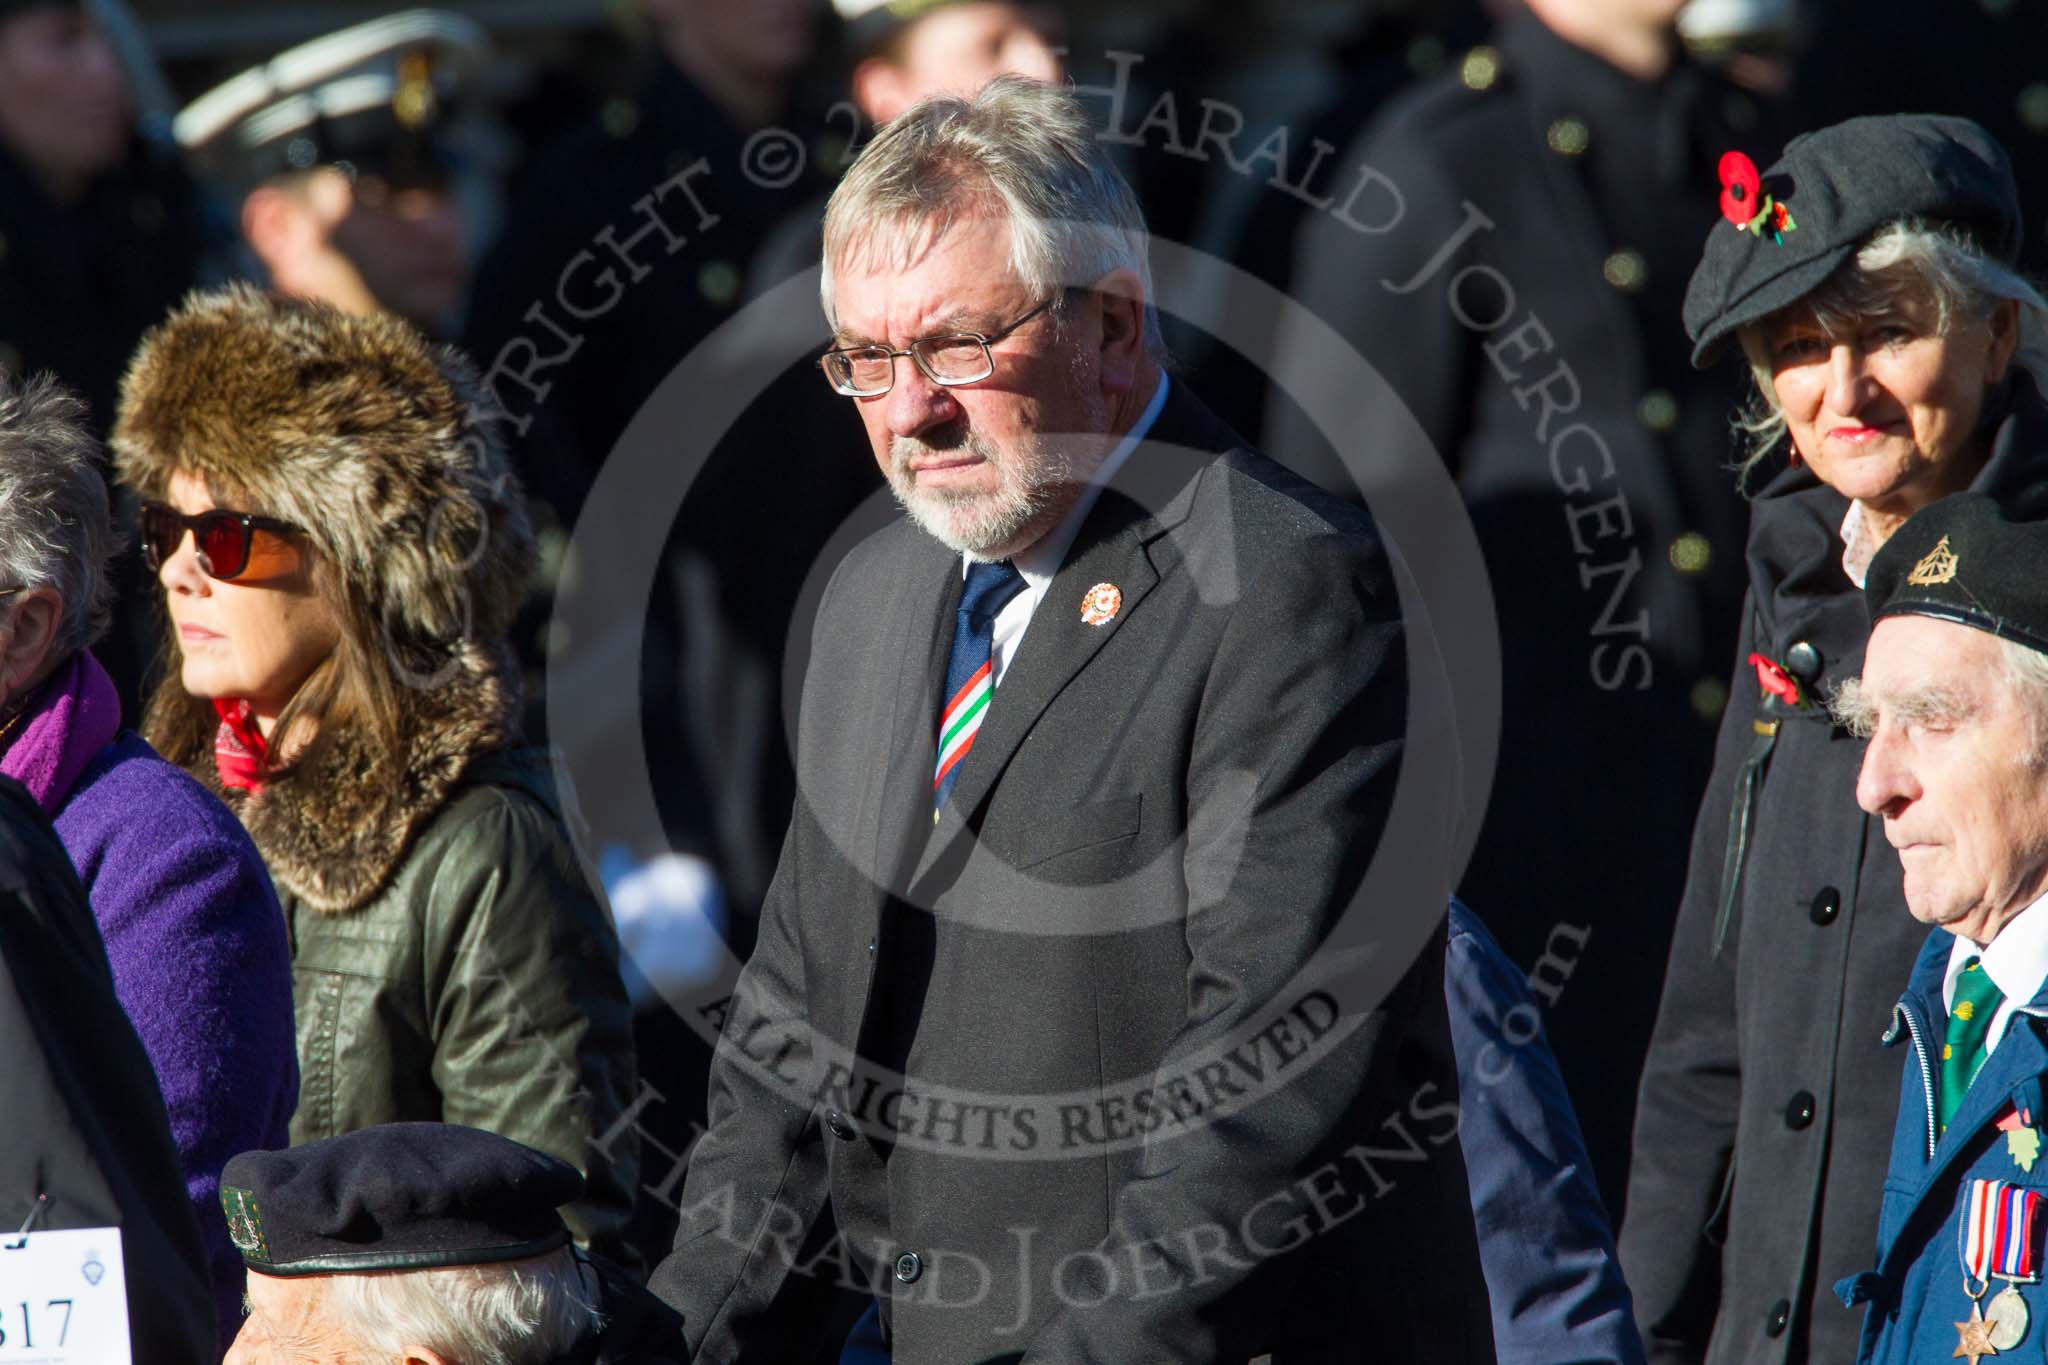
x,y
1068,829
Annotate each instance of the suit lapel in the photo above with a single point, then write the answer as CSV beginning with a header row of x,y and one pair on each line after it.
x,y
924,635
1058,645
1115,546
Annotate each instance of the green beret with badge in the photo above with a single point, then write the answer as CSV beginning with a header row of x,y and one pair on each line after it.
x,y
1962,559
399,1196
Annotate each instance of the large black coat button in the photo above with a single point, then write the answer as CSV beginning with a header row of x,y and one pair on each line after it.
x,y
839,1126
1799,1110
1780,1314
1827,904
1803,661
909,1266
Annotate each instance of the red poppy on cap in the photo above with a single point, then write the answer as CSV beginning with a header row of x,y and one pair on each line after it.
x,y
1742,189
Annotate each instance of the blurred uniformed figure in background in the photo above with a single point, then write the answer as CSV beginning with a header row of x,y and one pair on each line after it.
x,y
100,233
627,244
1514,267
903,52
342,157
98,230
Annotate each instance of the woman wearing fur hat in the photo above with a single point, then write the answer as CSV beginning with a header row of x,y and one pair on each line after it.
x,y
180,896
341,549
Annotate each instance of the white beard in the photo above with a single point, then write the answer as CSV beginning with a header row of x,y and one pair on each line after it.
x,y
1033,487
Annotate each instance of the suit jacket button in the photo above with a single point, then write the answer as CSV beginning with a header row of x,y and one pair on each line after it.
x,y
1781,1313
1799,1110
1825,907
871,947
1803,661
909,1266
836,1122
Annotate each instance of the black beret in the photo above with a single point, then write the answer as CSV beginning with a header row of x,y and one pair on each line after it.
x,y
1961,560
1839,185
400,1196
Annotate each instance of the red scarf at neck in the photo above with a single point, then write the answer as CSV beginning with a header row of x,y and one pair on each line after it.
x,y
239,749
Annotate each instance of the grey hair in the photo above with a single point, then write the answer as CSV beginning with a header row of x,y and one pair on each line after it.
x,y
1929,271
1020,147
56,529
513,1313
2025,669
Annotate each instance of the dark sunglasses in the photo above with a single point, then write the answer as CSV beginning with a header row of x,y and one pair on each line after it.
x,y
222,538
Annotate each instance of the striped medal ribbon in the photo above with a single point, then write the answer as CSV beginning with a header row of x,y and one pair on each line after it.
x,y
1997,1240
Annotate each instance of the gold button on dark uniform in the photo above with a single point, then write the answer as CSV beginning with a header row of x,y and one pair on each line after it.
x,y
1691,553
1658,410
1568,136
1480,69
1709,699
719,283
1626,269
1426,56
620,117
2034,107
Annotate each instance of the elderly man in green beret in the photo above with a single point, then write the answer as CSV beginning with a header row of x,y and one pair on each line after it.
x,y
427,1244
1953,700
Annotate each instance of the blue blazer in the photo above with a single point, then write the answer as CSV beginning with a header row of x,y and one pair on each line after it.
x,y
1914,1298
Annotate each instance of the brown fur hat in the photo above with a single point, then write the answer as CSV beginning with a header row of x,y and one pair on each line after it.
x,y
384,449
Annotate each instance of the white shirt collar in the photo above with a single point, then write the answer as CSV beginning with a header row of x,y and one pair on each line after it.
x,y
1041,560
1857,550
2016,960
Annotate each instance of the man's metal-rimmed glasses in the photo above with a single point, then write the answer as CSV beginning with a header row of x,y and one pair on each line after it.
x,y
953,359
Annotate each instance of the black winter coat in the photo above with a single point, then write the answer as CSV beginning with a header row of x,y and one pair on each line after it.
x,y
84,1122
1542,355
1765,1116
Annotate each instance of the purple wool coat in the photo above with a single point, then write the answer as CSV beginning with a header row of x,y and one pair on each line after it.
x,y
193,934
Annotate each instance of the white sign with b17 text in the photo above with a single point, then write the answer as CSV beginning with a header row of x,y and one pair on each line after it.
x,y
63,1299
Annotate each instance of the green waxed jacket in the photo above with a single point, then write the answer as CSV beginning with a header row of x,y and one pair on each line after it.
x,y
479,986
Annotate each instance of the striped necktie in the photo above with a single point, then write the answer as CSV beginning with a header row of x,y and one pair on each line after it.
x,y
970,678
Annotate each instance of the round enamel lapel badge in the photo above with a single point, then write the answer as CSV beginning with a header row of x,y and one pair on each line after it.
x,y
1101,603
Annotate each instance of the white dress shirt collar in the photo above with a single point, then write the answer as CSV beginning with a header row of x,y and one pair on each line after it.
x,y
1043,558
2016,960
1041,561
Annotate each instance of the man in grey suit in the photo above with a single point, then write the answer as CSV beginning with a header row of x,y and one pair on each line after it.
x,y
1094,752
